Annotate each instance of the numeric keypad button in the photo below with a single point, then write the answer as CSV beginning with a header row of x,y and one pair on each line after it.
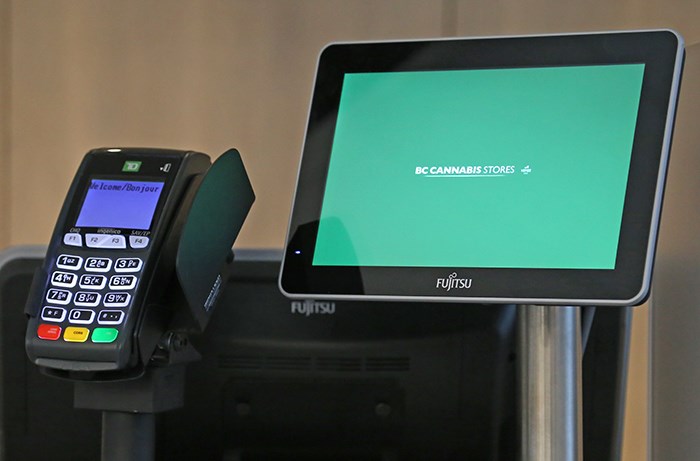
x,y
64,279
122,282
81,316
128,265
110,317
98,264
69,262
92,282
53,314
86,299
58,296
117,299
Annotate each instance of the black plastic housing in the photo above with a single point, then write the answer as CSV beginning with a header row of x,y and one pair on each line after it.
x,y
160,302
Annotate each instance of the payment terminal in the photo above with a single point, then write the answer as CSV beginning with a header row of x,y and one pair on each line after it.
x,y
139,254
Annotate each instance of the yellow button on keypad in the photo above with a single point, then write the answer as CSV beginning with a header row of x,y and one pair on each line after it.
x,y
76,334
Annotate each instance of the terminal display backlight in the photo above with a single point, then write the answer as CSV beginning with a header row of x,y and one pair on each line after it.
x,y
119,204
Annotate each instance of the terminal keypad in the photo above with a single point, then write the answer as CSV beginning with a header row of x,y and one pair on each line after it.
x,y
88,298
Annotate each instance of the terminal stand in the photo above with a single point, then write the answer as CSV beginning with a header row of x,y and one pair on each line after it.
x,y
129,408
550,383
128,436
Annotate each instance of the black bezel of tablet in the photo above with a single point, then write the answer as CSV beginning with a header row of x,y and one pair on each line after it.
x,y
661,52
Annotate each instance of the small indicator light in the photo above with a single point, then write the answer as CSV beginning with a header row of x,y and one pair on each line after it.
x,y
131,166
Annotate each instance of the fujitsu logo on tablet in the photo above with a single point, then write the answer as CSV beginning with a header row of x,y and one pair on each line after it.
x,y
453,283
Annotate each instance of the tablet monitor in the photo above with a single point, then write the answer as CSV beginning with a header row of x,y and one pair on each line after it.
x,y
514,169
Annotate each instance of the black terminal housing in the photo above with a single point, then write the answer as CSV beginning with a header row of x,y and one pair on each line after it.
x,y
137,260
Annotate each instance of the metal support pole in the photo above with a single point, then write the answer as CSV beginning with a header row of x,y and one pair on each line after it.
x,y
550,383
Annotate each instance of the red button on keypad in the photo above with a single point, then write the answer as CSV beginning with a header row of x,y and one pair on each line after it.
x,y
49,332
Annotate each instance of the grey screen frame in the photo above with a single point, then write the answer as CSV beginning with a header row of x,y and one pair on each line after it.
x,y
299,279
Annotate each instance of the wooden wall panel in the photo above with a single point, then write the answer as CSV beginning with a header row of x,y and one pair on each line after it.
x,y
196,75
5,44
499,17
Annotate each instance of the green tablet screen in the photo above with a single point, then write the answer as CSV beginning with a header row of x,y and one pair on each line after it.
x,y
493,168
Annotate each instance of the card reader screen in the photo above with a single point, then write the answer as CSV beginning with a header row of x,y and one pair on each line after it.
x,y
119,204
500,168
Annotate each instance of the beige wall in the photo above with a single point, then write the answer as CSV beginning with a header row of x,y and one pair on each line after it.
x,y
5,45
197,75
675,370
208,75
212,74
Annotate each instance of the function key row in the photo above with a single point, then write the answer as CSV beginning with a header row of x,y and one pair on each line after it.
x,y
76,334
100,265
87,298
109,241
93,282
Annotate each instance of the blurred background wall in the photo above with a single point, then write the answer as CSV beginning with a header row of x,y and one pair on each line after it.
x,y
208,75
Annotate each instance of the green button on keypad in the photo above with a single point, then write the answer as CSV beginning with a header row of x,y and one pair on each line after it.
x,y
104,335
